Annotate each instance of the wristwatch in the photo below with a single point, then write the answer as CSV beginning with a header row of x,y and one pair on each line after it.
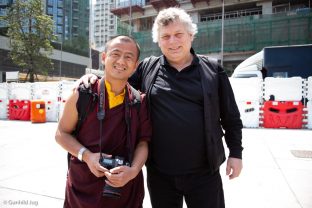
x,y
80,153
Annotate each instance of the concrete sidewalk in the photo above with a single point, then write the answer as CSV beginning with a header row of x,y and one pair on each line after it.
x,y
277,168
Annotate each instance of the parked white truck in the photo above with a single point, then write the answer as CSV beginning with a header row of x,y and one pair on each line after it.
x,y
277,61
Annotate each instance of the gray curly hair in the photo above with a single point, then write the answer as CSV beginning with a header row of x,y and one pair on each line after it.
x,y
169,15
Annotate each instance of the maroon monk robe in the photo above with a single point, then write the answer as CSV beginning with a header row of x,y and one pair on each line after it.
x,y
83,189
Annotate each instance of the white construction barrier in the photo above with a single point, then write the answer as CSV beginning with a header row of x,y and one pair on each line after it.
x,y
247,89
309,114
45,90
49,92
54,94
309,88
52,110
20,91
4,100
249,112
66,89
283,89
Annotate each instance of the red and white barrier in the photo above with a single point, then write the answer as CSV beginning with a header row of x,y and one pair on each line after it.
x,y
19,110
277,114
19,101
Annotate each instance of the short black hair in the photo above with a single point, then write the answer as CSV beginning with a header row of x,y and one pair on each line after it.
x,y
124,38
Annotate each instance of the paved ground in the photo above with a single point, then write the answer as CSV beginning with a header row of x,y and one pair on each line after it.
x,y
33,168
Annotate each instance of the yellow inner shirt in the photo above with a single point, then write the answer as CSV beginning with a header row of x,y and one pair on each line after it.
x,y
114,100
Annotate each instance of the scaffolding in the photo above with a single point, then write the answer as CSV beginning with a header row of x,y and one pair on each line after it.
x,y
249,33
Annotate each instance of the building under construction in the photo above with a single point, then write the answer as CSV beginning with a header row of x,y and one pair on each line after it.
x,y
249,25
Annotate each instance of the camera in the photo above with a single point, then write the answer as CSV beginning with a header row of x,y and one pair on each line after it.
x,y
109,163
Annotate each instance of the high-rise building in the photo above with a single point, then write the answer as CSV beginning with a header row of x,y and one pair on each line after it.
x,y
4,5
55,8
71,18
77,18
104,27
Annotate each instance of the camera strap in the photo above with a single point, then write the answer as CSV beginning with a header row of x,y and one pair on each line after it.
x,y
101,112
101,116
128,123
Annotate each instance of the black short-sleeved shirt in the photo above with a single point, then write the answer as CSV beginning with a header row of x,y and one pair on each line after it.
x,y
177,109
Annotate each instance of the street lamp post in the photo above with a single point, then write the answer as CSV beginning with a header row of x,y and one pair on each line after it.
x,y
222,33
130,17
61,57
90,28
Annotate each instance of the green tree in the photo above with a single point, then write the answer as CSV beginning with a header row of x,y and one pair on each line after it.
x,y
30,32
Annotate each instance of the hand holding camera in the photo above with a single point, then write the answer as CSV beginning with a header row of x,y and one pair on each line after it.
x,y
92,160
120,176
116,176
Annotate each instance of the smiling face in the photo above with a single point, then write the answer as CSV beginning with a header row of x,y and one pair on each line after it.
x,y
175,41
120,59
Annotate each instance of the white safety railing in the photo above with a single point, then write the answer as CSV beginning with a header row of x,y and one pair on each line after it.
x,y
309,103
309,88
66,89
249,112
283,89
248,96
247,89
20,91
309,114
4,100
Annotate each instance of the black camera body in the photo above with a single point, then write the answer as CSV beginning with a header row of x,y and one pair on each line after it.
x,y
109,163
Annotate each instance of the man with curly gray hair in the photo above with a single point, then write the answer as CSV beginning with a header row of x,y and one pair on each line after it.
x,y
191,101
167,16
192,107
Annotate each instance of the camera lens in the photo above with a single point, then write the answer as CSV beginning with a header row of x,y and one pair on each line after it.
x,y
111,192
110,163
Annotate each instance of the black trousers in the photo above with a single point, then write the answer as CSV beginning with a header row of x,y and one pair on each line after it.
x,y
200,190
